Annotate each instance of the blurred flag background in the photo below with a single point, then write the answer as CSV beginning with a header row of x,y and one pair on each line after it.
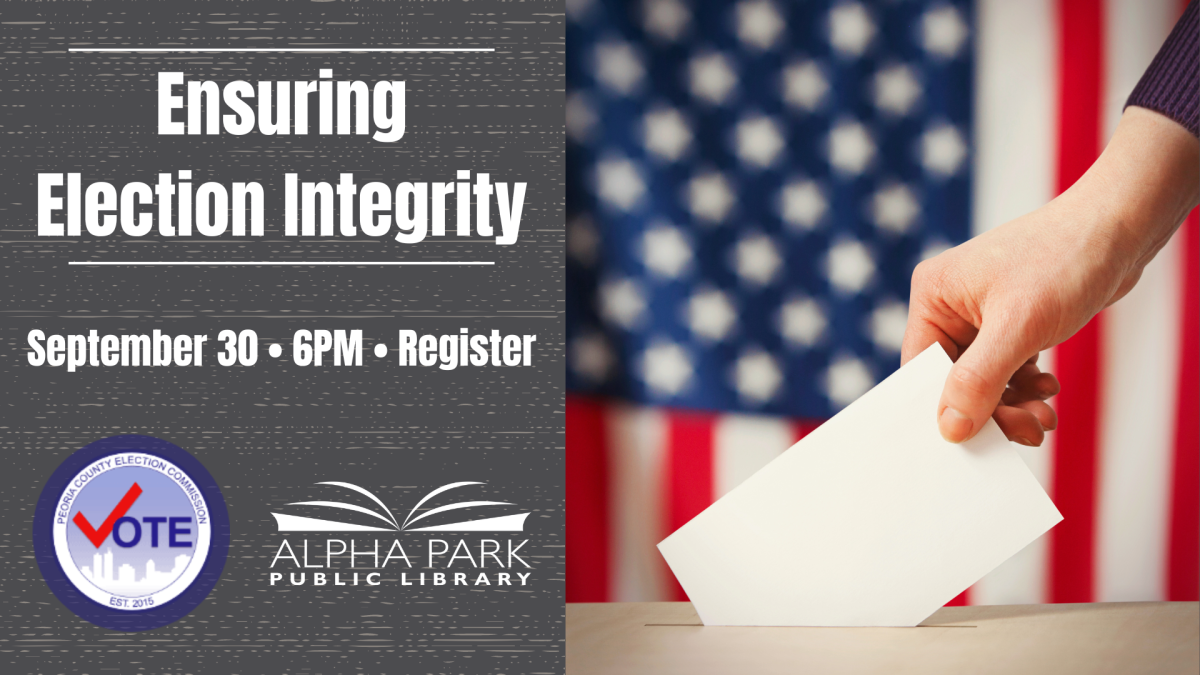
x,y
749,186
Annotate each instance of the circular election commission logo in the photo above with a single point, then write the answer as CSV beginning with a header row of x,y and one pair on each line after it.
x,y
131,533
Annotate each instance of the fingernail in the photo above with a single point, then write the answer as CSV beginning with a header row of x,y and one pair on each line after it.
x,y
954,426
1024,441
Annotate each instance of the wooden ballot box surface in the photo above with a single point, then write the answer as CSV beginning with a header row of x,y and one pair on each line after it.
x,y
667,637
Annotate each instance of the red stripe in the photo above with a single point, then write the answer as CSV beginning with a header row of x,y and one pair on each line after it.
x,y
587,535
1183,554
802,428
1077,364
1077,361
961,599
689,473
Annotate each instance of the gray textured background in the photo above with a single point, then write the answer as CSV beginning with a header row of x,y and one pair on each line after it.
x,y
267,432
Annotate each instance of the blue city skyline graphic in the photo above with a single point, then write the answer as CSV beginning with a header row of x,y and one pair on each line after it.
x,y
141,569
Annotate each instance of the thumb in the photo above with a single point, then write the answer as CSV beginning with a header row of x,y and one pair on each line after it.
x,y
977,380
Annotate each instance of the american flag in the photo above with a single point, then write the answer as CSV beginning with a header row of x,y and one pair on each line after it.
x,y
749,186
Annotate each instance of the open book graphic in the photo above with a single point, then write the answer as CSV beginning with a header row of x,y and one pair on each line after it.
x,y
289,523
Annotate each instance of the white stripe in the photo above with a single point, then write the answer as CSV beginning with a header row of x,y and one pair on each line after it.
x,y
1140,361
1021,580
1134,30
638,442
1015,109
743,444
1015,139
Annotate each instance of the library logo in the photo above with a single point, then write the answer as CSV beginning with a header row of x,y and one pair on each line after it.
x,y
131,533
472,543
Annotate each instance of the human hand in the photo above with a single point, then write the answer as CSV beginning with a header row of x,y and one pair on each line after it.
x,y
997,300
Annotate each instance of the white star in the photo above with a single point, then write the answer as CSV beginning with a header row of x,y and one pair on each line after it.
x,y
896,89
802,204
577,10
711,315
583,242
802,322
846,380
943,32
711,78
666,368
850,266
804,85
942,150
619,183
850,148
759,24
622,302
887,325
665,251
666,133
756,260
591,357
666,19
850,29
709,197
756,376
934,248
894,208
581,119
759,141
619,67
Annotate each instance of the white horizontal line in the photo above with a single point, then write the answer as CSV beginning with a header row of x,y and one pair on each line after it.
x,y
272,262
170,50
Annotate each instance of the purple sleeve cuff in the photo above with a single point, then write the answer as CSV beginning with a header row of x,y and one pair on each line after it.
x,y
1171,85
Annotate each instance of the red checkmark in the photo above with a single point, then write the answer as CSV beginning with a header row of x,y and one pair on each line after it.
x,y
97,537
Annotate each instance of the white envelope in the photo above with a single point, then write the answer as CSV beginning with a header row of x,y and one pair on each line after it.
x,y
871,520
